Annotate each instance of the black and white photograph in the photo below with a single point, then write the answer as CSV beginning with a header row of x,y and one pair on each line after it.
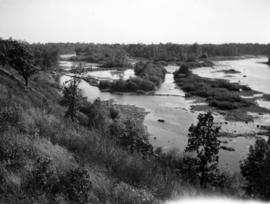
x,y
134,101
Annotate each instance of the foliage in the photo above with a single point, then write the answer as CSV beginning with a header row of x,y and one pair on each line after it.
x,y
97,114
149,76
18,56
218,93
43,179
203,142
12,153
76,185
45,55
107,55
114,113
131,136
255,170
9,115
131,85
72,97
184,69
151,72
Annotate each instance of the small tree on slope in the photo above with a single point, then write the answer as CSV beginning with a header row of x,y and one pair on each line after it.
x,y
204,144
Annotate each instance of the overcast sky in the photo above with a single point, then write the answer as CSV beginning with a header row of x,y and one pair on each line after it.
x,y
132,21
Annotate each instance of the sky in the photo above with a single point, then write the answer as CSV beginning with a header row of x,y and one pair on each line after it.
x,y
136,21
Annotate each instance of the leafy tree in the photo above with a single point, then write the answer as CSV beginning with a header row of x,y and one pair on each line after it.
x,y
255,169
45,55
18,56
72,97
203,142
184,69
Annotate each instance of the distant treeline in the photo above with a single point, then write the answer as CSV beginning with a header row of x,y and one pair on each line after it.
x,y
170,51
106,55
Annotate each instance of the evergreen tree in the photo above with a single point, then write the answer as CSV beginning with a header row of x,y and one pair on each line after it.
x,y
204,144
255,169
72,97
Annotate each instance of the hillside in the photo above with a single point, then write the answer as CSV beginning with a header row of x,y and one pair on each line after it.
x,y
38,146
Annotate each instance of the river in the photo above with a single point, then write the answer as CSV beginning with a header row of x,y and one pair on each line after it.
x,y
170,105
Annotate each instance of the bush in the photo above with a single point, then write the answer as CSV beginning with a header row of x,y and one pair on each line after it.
x,y
43,179
76,185
9,116
13,152
151,72
131,85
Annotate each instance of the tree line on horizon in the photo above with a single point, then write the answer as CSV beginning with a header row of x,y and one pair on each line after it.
x,y
171,51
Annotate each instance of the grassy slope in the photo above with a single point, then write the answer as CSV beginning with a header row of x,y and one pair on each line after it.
x,y
117,176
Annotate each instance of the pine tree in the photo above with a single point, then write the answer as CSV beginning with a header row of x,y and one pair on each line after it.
x,y
204,144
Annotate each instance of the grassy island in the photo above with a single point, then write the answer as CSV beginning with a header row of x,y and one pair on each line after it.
x,y
149,76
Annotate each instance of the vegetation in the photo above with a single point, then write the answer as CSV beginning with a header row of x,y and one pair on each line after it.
x,y
218,93
102,155
18,56
135,84
72,96
255,169
204,142
151,72
107,56
45,55
149,77
171,52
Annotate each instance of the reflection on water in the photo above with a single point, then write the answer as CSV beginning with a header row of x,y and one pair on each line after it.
x,y
170,105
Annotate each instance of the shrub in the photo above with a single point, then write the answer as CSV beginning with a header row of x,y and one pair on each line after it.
x,y
9,116
114,113
131,85
76,185
13,152
43,178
